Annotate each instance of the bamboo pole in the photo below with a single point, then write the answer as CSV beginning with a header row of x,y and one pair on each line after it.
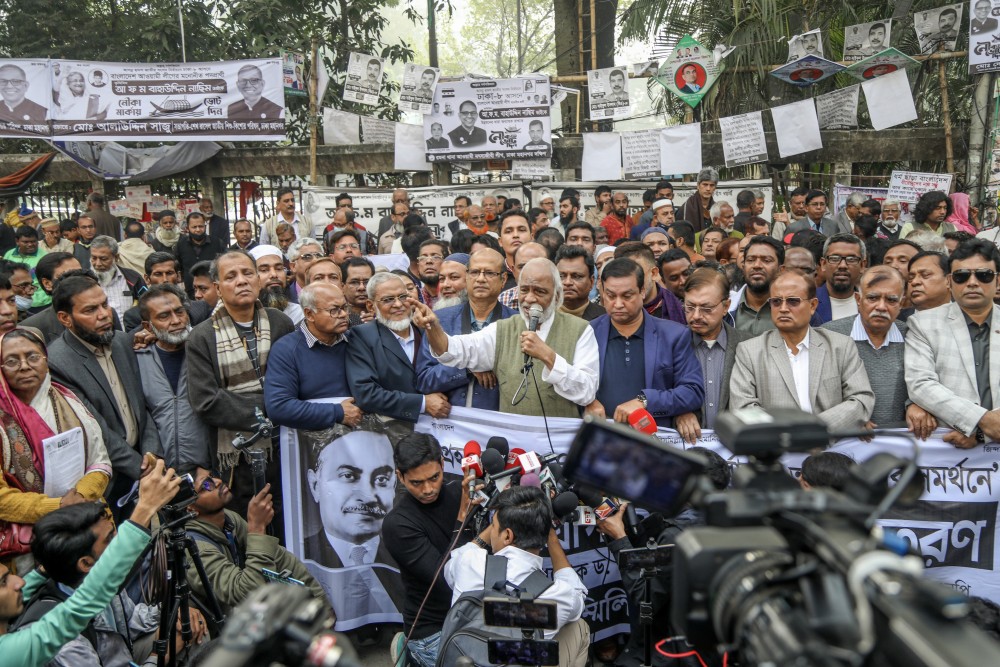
x,y
949,153
313,120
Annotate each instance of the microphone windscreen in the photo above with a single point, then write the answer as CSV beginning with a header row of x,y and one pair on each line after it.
x,y
641,420
565,503
472,448
556,470
493,463
500,444
534,310
531,479
512,457
590,497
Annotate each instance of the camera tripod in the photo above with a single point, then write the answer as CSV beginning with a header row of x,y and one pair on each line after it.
x,y
176,600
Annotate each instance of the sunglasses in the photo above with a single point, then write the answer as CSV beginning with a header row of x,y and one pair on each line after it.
x,y
961,276
792,301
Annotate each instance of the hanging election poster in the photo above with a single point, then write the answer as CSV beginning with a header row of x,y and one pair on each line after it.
x,y
807,44
984,36
839,110
363,82
937,29
806,71
608,93
293,73
489,119
231,100
417,91
743,140
26,90
866,39
689,72
886,62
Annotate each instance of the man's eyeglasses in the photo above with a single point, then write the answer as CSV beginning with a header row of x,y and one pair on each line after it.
x,y
316,255
358,282
12,83
209,483
334,311
792,301
691,309
477,217
430,258
249,82
961,276
837,259
25,286
345,246
389,300
489,275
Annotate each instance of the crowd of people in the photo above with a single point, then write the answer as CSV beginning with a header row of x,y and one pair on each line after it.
x,y
158,344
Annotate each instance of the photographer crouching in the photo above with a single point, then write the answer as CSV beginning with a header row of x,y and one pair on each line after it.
x,y
658,531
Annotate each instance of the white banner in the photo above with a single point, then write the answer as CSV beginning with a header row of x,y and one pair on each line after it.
x,y
937,29
490,119
866,39
743,140
839,110
240,100
641,154
984,49
417,91
908,186
364,79
26,89
953,526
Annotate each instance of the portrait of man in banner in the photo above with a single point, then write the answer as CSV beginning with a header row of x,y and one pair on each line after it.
x,y
16,107
351,481
690,78
253,106
467,134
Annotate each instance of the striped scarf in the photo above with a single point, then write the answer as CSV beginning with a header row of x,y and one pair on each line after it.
x,y
237,371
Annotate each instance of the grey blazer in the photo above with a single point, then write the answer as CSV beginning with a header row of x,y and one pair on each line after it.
x,y
73,365
940,369
839,391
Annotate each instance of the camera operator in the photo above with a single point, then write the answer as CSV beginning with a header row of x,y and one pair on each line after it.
x,y
235,551
109,561
521,526
613,527
418,531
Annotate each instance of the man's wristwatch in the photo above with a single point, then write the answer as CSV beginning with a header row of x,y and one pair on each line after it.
x,y
980,436
642,399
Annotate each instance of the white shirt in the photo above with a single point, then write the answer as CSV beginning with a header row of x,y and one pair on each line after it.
x,y
267,229
843,307
577,382
120,296
344,548
294,312
466,570
859,333
800,372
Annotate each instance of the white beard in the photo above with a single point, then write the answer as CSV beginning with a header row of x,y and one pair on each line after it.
x,y
170,338
104,278
547,314
397,326
447,302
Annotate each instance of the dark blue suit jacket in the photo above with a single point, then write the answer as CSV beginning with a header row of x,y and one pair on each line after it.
x,y
381,377
434,376
674,382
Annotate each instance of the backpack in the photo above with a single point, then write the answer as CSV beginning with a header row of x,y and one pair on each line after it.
x,y
465,632
46,598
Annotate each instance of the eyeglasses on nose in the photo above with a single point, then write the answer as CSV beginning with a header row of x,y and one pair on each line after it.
x,y
389,300
792,301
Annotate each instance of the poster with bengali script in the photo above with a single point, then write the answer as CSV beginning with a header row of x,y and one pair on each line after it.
x,y
839,110
984,36
866,39
882,63
239,100
490,119
807,71
608,93
26,92
689,72
743,140
641,154
363,82
908,186
937,29
417,90
293,73
807,44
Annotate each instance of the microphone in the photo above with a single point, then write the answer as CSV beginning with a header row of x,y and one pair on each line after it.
x,y
564,506
534,314
529,462
603,507
471,461
500,444
512,457
641,420
531,479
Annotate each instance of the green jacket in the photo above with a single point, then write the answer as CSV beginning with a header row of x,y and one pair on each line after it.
x,y
38,643
230,582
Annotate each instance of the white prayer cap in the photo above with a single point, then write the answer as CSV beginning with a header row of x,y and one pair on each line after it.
x,y
660,203
265,251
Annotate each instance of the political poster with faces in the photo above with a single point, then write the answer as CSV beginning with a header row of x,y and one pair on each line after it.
x,y
293,73
689,72
608,93
417,91
363,82
866,39
26,92
885,62
937,29
807,44
489,119
807,71
984,36
239,100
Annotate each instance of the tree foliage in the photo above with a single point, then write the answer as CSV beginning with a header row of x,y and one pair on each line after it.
x,y
488,42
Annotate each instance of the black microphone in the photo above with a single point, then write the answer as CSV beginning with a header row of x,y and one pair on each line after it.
x,y
500,444
534,314
493,462
564,505
631,520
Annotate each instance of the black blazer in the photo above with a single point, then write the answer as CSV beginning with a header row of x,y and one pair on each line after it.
x,y
73,365
382,379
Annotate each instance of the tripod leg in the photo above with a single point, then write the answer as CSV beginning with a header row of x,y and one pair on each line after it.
x,y
212,606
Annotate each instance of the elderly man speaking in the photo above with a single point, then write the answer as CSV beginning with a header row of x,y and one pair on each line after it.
x,y
563,343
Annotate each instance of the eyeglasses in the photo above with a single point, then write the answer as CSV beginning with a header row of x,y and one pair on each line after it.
x,y
12,83
345,246
316,255
837,259
209,483
430,258
466,113
489,275
792,301
27,286
358,282
961,276
33,359
389,300
249,82
334,311
691,309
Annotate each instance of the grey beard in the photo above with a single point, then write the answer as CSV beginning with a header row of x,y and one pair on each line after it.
x,y
274,297
397,326
104,278
547,314
171,338
449,301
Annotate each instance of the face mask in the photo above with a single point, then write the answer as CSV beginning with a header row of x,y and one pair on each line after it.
x,y
23,302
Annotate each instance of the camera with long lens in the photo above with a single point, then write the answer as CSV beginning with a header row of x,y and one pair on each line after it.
x,y
779,575
282,625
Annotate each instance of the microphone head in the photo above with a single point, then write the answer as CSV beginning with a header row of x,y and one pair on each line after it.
x,y
531,479
565,504
500,444
557,471
590,497
642,421
512,457
493,463
534,310
472,448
